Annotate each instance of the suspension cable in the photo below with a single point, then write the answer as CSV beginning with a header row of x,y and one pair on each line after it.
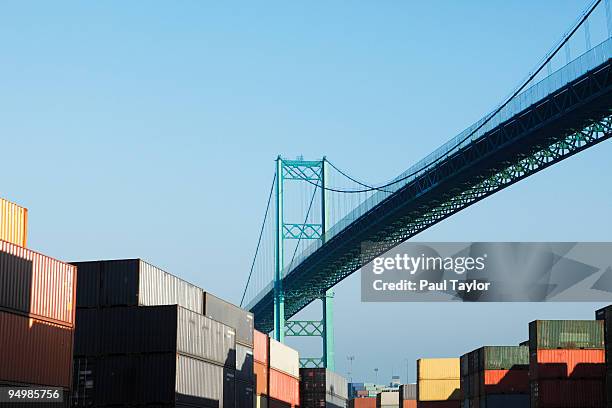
x,y
259,240
542,65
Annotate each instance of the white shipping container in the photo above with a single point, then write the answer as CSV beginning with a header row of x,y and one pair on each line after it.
x,y
284,358
387,398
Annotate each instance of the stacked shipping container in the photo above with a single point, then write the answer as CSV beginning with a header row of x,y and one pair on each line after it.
x,y
261,367
408,395
388,399
363,402
13,223
37,296
438,383
320,387
567,363
143,338
495,376
283,376
605,315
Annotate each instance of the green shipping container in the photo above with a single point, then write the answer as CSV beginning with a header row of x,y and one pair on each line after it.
x,y
566,334
503,358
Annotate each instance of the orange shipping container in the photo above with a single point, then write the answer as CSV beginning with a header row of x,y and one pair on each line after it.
x,y
409,404
284,387
261,378
13,223
36,285
34,351
363,403
506,382
573,364
260,347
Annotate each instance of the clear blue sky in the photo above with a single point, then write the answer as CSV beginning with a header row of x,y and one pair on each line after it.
x,y
149,129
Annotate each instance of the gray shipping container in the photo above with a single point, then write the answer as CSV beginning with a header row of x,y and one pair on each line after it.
x,y
407,392
318,385
244,363
153,329
132,282
150,379
231,315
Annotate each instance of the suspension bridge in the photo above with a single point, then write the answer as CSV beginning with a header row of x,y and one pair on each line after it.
x,y
318,217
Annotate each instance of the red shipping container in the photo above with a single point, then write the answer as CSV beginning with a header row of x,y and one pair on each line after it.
x,y
261,378
362,403
36,285
506,382
260,347
34,351
284,387
567,394
574,364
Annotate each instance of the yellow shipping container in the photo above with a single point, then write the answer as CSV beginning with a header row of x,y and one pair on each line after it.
x,y
438,369
13,223
439,390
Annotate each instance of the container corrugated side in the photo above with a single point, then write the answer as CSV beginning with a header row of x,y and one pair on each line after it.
x,y
284,358
362,403
388,398
158,287
198,382
408,391
13,223
205,338
284,388
231,315
260,347
575,364
503,382
439,390
438,368
503,357
261,378
336,384
244,363
134,282
34,351
36,285
566,334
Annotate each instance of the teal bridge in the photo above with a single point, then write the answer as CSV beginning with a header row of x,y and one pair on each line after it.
x,y
318,217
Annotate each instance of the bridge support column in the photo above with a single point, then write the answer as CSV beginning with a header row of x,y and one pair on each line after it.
x,y
312,172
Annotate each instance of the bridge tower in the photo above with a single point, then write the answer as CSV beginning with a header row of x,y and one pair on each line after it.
x,y
314,173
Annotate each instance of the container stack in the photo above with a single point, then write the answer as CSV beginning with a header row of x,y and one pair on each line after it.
x,y
495,377
283,376
320,387
242,321
605,315
438,383
142,338
567,363
261,367
37,296
408,395
388,399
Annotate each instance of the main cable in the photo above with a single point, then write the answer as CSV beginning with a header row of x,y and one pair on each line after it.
x,y
546,60
259,240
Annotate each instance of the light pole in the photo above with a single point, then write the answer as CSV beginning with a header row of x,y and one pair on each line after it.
x,y
376,372
350,359
407,363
